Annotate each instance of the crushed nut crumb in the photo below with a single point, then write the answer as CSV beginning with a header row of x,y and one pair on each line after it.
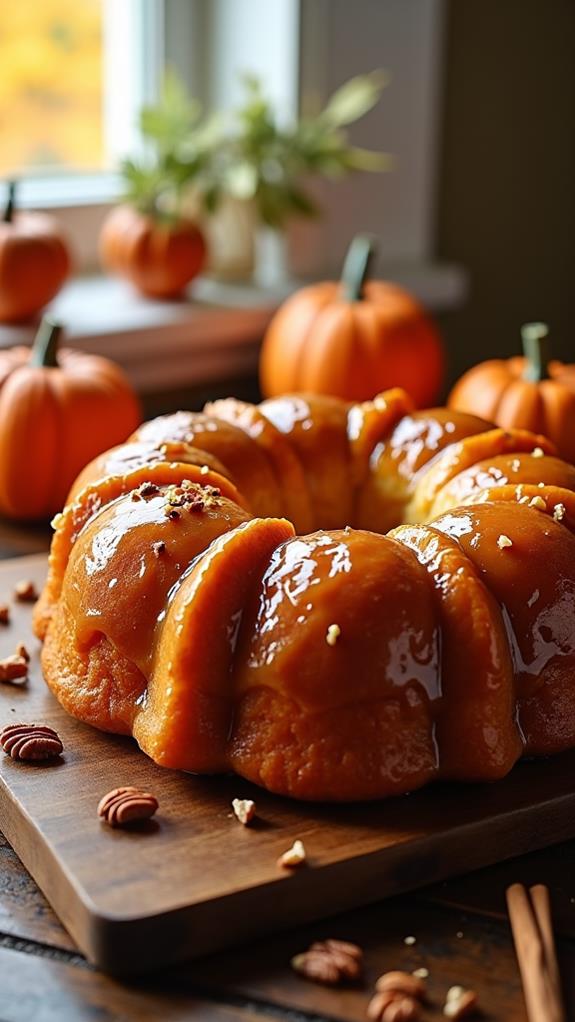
x,y
204,470
519,491
294,857
515,465
4,614
23,652
559,512
503,542
540,485
332,635
159,547
410,941
148,489
538,502
422,973
460,1004
244,810
25,591
538,452
524,500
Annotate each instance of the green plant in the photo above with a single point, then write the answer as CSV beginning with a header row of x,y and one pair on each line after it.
x,y
266,161
254,158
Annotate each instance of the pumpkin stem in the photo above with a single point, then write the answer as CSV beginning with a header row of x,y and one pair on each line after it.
x,y
536,350
45,346
358,260
11,203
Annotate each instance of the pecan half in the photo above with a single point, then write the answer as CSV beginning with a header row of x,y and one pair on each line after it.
x,y
14,669
388,1006
123,806
331,962
30,742
402,983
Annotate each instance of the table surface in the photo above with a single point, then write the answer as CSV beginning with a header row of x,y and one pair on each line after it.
x,y
461,932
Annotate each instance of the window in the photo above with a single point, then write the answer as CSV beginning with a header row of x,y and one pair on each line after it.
x,y
74,75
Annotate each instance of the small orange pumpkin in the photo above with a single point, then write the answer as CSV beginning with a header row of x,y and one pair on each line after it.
x,y
352,339
159,258
34,261
58,410
529,392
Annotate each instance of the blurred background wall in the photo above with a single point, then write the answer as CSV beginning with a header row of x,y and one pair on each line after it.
x,y
506,177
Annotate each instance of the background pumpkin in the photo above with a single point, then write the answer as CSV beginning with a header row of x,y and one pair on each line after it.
x,y
159,257
58,410
34,261
529,392
353,339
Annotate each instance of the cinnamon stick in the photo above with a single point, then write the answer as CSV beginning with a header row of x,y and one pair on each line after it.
x,y
535,948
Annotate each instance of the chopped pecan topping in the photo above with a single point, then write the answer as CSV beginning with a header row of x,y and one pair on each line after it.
x,y
14,669
25,591
503,542
559,512
159,547
538,452
332,635
30,742
538,502
244,809
123,806
331,962
148,489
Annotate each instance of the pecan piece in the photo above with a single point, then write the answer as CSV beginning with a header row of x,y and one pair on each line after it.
x,y
294,857
25,591
123,806
14,669
30,742
460,1003
402,983
4,614
331,962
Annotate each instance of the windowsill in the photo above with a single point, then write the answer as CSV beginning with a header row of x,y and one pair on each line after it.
x,y
215,334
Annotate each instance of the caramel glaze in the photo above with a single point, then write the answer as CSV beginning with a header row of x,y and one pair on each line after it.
x,y
336,665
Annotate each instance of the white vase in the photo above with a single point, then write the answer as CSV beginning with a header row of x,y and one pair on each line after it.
x,y
271,258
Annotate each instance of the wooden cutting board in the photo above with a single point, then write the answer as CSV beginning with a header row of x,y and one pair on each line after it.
x,y
193,880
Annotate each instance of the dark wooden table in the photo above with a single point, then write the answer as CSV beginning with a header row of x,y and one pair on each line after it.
x,y
461,930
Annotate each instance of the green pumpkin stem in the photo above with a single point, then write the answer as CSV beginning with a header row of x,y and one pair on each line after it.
x,y
535,337
11,203
45,346
358,260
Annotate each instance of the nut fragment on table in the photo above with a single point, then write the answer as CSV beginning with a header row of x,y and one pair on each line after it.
x,y
23,652
25,591
123,806
294,857
4,614
13,669
30,742
332,962
402,983
244,810
460,1003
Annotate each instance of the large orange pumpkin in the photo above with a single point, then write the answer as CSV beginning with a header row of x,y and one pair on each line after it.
x,y
34,261
529,392
58,410
159,258
352,339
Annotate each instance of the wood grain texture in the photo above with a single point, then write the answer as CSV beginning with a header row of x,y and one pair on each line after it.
x,y
195,880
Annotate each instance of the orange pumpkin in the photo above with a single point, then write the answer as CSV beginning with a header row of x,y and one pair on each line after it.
x,y
58,410
528,392
157,257
352,339
34,261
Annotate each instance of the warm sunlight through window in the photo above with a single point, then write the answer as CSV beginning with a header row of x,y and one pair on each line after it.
x,y
51,86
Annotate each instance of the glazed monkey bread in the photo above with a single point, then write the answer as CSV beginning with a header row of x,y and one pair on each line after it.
x,y
221,588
